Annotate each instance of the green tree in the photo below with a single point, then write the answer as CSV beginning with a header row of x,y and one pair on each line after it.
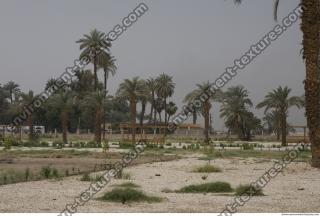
x,y
95,47
26,100
201,90
165,89
280,101
235,111
98,102
63,102
13,89
171,109
131,90
152,87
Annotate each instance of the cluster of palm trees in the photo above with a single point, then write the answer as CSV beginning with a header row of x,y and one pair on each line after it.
x,y
311,48
86,99
235,110
155,91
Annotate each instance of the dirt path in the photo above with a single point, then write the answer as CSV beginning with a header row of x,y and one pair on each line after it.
x,y
282,194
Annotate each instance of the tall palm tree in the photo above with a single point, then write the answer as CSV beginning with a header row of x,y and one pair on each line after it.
x,y
131,90
98,102
94,46
108,64
280,101
13,89
272,121
203,89
26,100
188,99
234,110
311,53
165,89
63,102
171,110
152,87
143,98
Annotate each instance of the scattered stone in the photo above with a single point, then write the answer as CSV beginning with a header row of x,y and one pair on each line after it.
x,y
158,174
301,188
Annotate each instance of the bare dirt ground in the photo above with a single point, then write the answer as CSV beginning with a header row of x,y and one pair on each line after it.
x,y
297,189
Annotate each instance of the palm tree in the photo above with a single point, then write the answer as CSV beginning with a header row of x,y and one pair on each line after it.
x,y
171,110
203,89
131,90
234,110
13,89
165,89
280,101
63,102
98,102
311,48
272,121
188,99
27,99
95,47
152,87
108,64
144,97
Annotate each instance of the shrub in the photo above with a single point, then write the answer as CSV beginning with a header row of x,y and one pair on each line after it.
x,y
86,177
58,144
248,189
125,145
208,169
247,146
45,172
125,195
44,144
55,173
27,174
9,142
213,187
128,185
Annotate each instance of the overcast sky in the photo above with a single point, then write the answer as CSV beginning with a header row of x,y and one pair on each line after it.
x,y
194,41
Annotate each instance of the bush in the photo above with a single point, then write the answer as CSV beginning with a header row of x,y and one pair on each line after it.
x,y
247,146
46,172
44,144
128,185
208,169
86,177
27,174
55,173
214,187
58,144
125,195
248,189
9,142
126,145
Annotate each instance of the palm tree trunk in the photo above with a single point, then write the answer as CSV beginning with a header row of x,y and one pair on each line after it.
x,y
97,134
283,129
133,105
206,121
194,117
143,110
64,121
30,124
165,117
151,109
95,72
105,94
311,43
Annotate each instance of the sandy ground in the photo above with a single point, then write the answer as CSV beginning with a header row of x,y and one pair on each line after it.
x,y
282,194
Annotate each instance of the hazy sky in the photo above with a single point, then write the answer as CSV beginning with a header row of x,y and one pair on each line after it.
x,y
194,41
